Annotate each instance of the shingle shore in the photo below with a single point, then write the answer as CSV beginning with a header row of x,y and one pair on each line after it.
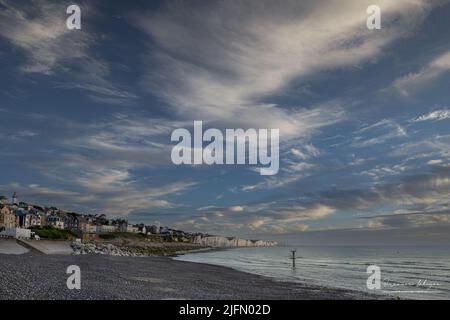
x,y
38,276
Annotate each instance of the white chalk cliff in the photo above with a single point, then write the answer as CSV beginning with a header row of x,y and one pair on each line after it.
x,y
224,242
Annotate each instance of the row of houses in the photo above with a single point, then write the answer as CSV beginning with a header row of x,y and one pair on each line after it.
x,y
22,215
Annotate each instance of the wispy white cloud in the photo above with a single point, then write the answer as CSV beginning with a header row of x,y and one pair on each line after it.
x,y
262,218
423,148
111,194
292,174
410,219
436,115
300,213
377,133
380,172
425,189
294,167
220,60
39,31
434,162
306,152
413,82
96,163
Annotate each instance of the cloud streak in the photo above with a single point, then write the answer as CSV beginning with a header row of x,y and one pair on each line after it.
x,y
38,29
414,82
222,59
436,115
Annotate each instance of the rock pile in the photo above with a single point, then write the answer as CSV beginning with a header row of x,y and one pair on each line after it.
x,y
102,249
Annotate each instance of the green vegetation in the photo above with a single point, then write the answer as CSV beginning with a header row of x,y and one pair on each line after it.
x,y
167,238
162,251
123,235
49,232
140,236
108,236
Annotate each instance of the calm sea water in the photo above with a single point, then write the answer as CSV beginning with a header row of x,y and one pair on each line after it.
x,y
406,272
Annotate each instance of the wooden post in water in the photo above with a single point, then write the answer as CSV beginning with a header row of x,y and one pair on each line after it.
x,y
293,258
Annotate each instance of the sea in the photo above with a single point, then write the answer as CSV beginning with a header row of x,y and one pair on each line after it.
x,y
401,272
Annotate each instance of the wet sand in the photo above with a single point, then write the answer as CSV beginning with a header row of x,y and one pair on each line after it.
x,y
37,276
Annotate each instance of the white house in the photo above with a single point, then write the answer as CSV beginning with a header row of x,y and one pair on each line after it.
x,y
58,224
132,229
107,229
17,233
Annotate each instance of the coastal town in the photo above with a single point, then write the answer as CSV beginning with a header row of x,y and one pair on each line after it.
x,y
19,219
22,220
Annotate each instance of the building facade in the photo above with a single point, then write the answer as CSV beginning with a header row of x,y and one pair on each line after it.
x,y
7,218
3,201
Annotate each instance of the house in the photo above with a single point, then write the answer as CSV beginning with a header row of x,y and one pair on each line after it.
x,y
107,229
31,217
100,219
23,218
85,226
153,229
17,233
132,229
43,219
56,222
164,230
70,219
7,218
15,201
36,220
142,229
120,224
3,201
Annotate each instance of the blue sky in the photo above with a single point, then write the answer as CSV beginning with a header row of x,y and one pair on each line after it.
x,y
86,115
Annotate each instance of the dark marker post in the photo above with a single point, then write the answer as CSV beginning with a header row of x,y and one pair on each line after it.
x,y
293,258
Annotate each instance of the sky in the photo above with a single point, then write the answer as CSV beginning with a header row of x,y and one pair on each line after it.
x,y
364,115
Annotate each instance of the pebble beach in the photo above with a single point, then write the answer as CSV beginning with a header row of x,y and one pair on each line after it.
x,y
28,274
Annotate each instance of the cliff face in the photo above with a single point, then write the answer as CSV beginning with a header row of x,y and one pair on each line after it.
x,y
223,242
